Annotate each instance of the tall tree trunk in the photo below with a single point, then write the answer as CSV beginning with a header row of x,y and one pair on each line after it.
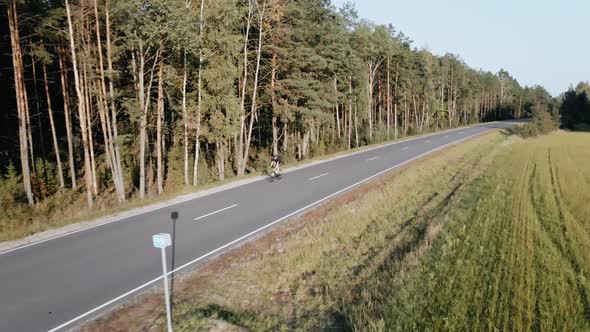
x,y
275,129
85,66
464,115
143,120
134,74
370,100
159,119
110,150
457,118
66,97
220,160
349,112
92,156
395,115
450,103
299,146
81,110
306,139
440,101
273,99
86,92
337,107
28,128
406,116
285,137
415,108
254,106
373,67
344,120
379,118
356,126
196,162
388,97
21,98
38,115
199,97
240,146
424,116
53,134
235,155
185,117
105,115
144,101
395,121
30,135
115,130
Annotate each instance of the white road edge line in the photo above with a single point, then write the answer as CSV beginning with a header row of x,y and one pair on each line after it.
x,y
258,230
148,210
372,158
216,212
317,177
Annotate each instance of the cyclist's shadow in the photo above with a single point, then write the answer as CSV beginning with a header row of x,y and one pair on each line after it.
x,y
270,177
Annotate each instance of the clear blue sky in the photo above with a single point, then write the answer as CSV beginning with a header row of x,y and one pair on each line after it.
x,y
539,42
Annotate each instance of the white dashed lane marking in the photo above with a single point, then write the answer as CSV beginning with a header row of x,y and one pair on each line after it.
x,y
317,177
216,212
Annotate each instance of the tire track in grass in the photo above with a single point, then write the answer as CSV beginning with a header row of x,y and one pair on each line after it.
x,y
539,199
489,231
518,302
556,274
528,255
557,192
553,270
487,265
480,224
508,294
499,228
546,207
576,198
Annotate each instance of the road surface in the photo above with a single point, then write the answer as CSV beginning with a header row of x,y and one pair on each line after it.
x,y
57,284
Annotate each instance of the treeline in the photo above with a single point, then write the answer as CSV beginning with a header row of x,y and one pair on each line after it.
x,y
130,98
570,111
575,107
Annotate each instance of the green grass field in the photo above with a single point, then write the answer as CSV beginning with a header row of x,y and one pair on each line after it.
x,y
489,234
515,253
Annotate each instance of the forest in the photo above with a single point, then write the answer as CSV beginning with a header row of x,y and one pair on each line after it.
x,y
117,100
575,107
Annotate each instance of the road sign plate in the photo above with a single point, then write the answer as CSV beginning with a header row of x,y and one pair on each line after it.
x,y
161,240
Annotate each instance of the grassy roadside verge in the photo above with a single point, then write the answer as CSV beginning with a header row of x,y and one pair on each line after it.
x,y
69,208
309,272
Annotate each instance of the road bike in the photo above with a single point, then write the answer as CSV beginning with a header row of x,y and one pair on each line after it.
x,y
274,175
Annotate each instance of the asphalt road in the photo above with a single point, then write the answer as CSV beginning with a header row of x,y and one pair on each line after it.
x,y
57,284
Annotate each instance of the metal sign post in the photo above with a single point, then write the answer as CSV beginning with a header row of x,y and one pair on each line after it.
x,y
162,241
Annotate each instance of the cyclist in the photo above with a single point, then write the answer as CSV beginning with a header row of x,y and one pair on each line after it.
x,y
276,163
